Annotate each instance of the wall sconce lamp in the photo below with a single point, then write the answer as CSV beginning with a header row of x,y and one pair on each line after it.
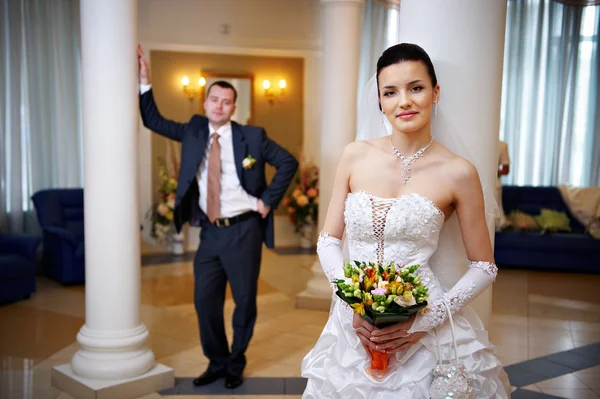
x,y
270,94
191,92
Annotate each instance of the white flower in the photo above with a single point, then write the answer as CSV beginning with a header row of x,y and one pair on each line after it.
x,y
162,209
382,284
403,302
171,203
159,232
398,265
248,162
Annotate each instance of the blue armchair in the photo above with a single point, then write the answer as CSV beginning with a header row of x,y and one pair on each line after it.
x,y
17,266
60,214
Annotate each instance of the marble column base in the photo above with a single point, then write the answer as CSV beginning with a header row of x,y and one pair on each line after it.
x,y
160,377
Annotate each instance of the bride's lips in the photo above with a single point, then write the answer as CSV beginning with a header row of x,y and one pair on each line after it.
x,y
406,115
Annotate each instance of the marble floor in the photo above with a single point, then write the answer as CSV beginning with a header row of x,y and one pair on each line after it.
x,y
535,314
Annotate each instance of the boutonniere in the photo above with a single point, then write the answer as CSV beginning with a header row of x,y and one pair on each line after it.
x,y
248,162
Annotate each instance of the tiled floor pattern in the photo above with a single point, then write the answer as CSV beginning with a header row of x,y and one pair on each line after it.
x,y
535,314
573,373
252,386
544,370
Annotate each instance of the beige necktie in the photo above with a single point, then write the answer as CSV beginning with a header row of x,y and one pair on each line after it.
x,y
213,204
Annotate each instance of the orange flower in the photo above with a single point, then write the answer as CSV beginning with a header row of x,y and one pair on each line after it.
x,y
291,210
312,192
286,201
369,279
302,200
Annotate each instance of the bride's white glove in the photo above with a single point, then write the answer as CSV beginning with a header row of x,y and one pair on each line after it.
x,y
479,277
331,258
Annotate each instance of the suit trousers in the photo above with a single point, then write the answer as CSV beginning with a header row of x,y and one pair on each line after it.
x,y
227,254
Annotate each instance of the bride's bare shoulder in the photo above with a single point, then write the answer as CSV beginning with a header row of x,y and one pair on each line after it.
x,y
355,147
357,150
366,148
457,168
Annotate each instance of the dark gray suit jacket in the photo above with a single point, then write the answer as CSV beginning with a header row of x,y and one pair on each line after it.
x,y
247,140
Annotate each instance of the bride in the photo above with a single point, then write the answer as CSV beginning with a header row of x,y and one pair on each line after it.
x,y
398,207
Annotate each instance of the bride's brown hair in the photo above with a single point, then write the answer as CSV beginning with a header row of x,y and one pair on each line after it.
x,y
406,52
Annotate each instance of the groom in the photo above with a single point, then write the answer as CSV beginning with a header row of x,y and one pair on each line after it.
x,y
222,188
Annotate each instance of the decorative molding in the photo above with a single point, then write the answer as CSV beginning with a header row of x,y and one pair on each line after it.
x,y
579,3
268,52
390,4
356,2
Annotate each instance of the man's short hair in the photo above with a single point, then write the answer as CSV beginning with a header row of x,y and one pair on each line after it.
x,y
225,85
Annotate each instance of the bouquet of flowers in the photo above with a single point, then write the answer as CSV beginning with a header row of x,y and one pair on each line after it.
x,y
303,203
383,294
161,213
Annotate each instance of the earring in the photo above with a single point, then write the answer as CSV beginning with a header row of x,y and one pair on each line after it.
x,y
435,111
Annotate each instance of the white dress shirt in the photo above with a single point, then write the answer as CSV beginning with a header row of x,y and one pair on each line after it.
x,y
234,199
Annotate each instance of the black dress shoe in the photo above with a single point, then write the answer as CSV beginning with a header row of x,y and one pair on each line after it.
x,y
233,381
208,377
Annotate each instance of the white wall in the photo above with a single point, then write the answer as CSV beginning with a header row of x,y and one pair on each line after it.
x,y
260,27
275,24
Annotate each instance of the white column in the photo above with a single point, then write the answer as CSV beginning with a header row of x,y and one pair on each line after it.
x,y
341,45
113,338
465,40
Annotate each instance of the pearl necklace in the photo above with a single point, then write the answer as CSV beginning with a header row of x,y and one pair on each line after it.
x,y
410,160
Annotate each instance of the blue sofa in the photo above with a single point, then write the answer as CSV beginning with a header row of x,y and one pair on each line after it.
x,y
572,252
60,215
17,266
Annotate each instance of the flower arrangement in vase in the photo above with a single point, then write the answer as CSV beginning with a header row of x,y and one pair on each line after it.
x,y
161,212
302,204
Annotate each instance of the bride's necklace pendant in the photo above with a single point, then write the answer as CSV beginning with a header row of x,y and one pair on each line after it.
x,y
409,161
406,171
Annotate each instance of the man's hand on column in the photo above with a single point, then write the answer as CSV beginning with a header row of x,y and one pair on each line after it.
x,y
143,67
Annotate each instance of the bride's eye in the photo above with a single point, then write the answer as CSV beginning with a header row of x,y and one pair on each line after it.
x,y
388,93
417,88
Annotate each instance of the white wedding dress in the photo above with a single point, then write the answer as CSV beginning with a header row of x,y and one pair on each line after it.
x,y
404,229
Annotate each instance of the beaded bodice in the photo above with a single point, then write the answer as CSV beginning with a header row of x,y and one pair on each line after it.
x,y
405,230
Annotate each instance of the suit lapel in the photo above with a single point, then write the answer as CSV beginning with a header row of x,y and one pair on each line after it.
x,y
192,151
202,137
239,149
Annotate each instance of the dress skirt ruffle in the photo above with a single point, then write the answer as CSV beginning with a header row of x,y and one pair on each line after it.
x,y
337,366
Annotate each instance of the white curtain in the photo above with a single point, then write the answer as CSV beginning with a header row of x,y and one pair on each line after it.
x,y
40,104
550,102
379,27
